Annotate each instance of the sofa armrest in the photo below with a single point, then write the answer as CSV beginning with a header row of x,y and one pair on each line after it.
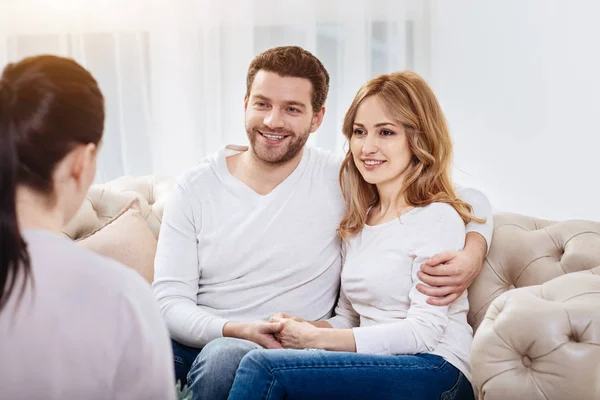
x,y
541,342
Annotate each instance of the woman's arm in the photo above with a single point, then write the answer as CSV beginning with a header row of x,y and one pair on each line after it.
x,y
450,273
334,340
424,325
304,335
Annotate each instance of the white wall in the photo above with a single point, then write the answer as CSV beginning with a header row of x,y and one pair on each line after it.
x,y
519,81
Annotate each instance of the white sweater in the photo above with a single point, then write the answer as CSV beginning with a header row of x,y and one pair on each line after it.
x,y
86,327
226,253
379,294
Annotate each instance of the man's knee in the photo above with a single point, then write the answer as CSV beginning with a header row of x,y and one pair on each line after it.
x,y
213,371
223,354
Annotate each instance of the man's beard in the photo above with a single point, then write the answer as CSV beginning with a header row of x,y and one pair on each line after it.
x,y
268,156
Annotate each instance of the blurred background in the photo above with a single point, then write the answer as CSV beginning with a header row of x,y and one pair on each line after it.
x,y
519,80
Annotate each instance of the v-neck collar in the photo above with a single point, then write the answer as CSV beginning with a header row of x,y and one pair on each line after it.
x,y
244,190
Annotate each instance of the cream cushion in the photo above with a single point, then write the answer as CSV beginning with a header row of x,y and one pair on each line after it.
x,y
103,202
125,238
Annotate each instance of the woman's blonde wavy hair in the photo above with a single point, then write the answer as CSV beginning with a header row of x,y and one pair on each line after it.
x,y
409,100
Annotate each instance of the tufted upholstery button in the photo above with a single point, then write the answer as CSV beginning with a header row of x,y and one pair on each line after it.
x,y
557,324
575,337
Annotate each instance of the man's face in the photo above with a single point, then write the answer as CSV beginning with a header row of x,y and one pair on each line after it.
x,y
279,116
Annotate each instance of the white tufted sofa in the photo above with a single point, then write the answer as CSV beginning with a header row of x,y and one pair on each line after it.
x,y
535,307
536,311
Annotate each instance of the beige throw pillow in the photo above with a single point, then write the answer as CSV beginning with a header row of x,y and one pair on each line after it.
x,y
127,239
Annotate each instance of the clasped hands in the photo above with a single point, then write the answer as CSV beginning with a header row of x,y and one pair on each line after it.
x,y
281,331
291,332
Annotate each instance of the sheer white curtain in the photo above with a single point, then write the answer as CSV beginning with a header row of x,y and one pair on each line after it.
x,y
173,71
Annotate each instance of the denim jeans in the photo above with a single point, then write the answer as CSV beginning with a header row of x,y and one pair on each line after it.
x,y
318,374
209,372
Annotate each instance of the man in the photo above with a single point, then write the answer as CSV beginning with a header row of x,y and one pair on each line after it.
x,y
252,231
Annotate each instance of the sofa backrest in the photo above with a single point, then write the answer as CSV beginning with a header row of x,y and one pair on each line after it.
x,y
106,200
528,251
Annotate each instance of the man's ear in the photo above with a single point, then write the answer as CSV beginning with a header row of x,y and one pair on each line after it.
x,y
245,102
317,119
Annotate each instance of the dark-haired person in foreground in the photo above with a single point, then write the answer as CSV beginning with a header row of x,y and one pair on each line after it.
x,y
73,324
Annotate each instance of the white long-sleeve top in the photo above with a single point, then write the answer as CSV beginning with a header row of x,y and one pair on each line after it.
x,y
379,298
226,253
86,327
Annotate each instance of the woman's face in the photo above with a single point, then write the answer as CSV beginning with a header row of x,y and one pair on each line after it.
x,y
379,145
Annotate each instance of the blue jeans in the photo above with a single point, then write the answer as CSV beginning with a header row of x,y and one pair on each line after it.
x,y
209,372
318,374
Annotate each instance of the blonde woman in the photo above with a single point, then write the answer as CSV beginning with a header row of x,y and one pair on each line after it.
x,y
386,341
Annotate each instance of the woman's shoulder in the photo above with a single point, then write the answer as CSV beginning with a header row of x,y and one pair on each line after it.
x,y
439,211
439,225
437,218
94,287
72,264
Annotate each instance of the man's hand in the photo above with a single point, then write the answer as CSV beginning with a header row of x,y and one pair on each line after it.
x,y
259,332
284,316
452,272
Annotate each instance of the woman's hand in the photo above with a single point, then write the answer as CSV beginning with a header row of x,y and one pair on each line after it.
x,y
297,335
